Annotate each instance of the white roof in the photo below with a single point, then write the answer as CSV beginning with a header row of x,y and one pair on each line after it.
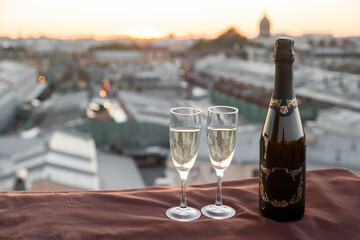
x,y
63,157
15,73
61,102
339,120
329,149
118,172
326,86
165,72
82,146
117,54
62,109
146,108
23,79
45,45
5,87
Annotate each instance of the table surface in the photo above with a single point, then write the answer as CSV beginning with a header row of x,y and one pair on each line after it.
x,y
332,212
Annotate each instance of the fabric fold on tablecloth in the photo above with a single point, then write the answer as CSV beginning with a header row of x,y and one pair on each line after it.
x,y
332,212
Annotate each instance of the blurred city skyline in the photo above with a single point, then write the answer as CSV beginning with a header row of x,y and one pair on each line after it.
x,y
85,107
186,19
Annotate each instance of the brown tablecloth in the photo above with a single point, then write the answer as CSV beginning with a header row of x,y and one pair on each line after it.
x,y
332,212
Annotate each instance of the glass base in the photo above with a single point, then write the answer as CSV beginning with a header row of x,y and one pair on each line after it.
x,y
183,214
218,212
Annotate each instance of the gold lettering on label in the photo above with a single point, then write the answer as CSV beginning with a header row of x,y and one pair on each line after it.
x,y
293,173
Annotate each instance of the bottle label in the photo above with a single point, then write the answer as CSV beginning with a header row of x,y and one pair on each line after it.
x,y
282,186
283,106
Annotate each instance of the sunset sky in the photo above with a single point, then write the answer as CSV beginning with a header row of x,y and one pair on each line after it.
x,y
185,18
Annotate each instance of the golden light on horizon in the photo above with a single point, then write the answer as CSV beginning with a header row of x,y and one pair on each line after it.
x,y
142,19
146,33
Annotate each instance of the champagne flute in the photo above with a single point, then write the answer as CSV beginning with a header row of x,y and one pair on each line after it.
x,y
221,138
184,134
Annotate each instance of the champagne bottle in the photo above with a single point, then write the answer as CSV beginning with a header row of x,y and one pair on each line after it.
x,y
282,145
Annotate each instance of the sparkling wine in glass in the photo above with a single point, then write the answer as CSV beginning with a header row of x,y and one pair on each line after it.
x,y
221,138
184,136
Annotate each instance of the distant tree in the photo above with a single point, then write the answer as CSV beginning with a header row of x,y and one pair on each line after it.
x,y
116,46
14,49
229,39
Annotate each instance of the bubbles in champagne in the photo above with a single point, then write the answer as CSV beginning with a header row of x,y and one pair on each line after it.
x,y
221,145
184,145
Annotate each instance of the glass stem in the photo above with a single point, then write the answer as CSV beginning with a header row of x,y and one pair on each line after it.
x,y
183,203
218,201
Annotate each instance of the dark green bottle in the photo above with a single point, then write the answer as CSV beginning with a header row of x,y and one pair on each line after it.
x,y
282,145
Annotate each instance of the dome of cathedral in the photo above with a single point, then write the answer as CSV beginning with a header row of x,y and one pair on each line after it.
x,y
265,22
264,27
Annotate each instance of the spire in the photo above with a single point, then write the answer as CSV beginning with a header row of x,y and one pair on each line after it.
x,y
264,26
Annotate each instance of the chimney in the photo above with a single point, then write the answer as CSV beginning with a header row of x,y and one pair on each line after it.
x,y
20,179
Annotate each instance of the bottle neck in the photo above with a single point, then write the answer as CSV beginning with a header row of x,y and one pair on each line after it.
x,y
284,81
